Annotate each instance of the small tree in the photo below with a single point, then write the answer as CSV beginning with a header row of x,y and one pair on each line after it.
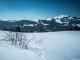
x,y
31,30
18,29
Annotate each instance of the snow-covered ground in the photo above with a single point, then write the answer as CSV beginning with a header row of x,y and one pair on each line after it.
x,y
63,45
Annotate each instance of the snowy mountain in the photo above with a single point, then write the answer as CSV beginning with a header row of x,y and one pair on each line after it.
x,y
58,23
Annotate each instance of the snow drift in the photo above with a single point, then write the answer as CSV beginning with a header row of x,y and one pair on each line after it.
x,y
56,46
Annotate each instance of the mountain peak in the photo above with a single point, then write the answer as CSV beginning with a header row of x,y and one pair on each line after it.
x,y
61,16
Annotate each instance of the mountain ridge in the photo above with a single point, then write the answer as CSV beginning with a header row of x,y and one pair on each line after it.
x,y
58,23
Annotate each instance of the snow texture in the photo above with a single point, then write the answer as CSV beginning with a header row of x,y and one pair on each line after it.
x,y
63,45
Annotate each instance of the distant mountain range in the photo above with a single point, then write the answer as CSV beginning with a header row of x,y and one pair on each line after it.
x,y
58,23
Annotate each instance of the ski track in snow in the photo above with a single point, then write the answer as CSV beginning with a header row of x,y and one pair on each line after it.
x,y
39,51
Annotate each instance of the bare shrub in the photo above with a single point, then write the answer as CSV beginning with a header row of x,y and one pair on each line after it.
x,y
20,38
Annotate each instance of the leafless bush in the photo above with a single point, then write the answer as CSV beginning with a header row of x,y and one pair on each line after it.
x,y
20,38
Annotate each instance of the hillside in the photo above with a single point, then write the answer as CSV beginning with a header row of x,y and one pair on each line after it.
x,y
58,23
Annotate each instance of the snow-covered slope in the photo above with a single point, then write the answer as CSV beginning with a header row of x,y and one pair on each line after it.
x,y
63,45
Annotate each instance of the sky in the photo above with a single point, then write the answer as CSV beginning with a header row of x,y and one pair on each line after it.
x,y
36,9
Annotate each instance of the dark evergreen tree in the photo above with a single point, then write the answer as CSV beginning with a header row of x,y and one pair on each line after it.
x,y
76,27
31,31
18,29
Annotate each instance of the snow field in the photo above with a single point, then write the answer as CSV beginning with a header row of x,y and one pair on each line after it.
x,y
63,45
